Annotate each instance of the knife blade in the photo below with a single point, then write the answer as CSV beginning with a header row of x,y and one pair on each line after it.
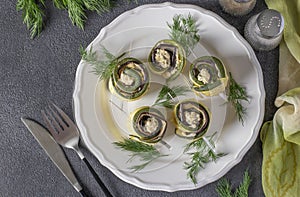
x,y
53,150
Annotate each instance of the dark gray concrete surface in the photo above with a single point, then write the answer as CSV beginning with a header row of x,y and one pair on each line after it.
x,y
35,71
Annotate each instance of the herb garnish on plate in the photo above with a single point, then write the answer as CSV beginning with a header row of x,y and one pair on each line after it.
x,y
184,31
201,154
103,69
237,94
167,95
145,152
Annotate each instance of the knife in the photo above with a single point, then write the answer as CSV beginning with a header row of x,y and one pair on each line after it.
x,y
54,151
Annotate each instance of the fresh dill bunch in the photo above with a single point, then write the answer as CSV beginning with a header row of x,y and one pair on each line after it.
x,y
103,69
76,10
224,188
242,190
201,154
166,95
32,15
99,6
184,31
145,152
237,94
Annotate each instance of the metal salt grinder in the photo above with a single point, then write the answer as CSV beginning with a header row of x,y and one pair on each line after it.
x,y
264,30
237,7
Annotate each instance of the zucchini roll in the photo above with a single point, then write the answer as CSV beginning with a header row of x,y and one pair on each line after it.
x,y
149,124
192,119
167,58
130,79
208,76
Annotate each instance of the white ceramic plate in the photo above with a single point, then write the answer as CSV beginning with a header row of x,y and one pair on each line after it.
x,y
101,121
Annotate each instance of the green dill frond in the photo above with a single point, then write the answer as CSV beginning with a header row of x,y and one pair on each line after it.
x,y
103,69
135,146
242,190
60,4
237,94
99,6
184,31
224,188
32,15
108,55
76,13
167,95
77,8
145,152
201,155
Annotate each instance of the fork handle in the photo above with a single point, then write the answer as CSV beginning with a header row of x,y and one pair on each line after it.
x,y
95,175
83,194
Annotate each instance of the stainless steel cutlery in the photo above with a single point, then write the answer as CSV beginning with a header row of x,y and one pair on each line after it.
x,y
66,133
54,151
61,131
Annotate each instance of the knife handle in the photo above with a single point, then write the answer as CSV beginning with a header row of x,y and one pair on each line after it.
x,y
95,175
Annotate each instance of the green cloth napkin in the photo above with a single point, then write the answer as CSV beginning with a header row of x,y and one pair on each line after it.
x,y
281,148
289,70
281,136
290,9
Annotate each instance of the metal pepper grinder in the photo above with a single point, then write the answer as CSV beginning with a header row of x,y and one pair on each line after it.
x,y
237,7
264,30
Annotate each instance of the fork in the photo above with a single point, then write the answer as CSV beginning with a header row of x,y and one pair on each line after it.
x,y
66,133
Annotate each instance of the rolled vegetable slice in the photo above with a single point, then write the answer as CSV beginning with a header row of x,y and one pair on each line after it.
x,y
192,119
130,79
149,124
167,58
208,75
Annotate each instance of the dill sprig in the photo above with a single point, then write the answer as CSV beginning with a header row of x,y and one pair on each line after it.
x,y
76,9
103,69
145,152
166,95
99,6
32,15
201,154
184,31
237,94
242,190
224,188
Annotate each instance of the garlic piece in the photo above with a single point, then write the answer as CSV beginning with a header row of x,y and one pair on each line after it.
x,y
204,76
192,118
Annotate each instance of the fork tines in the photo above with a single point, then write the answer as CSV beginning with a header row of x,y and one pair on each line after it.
x,y
56,119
